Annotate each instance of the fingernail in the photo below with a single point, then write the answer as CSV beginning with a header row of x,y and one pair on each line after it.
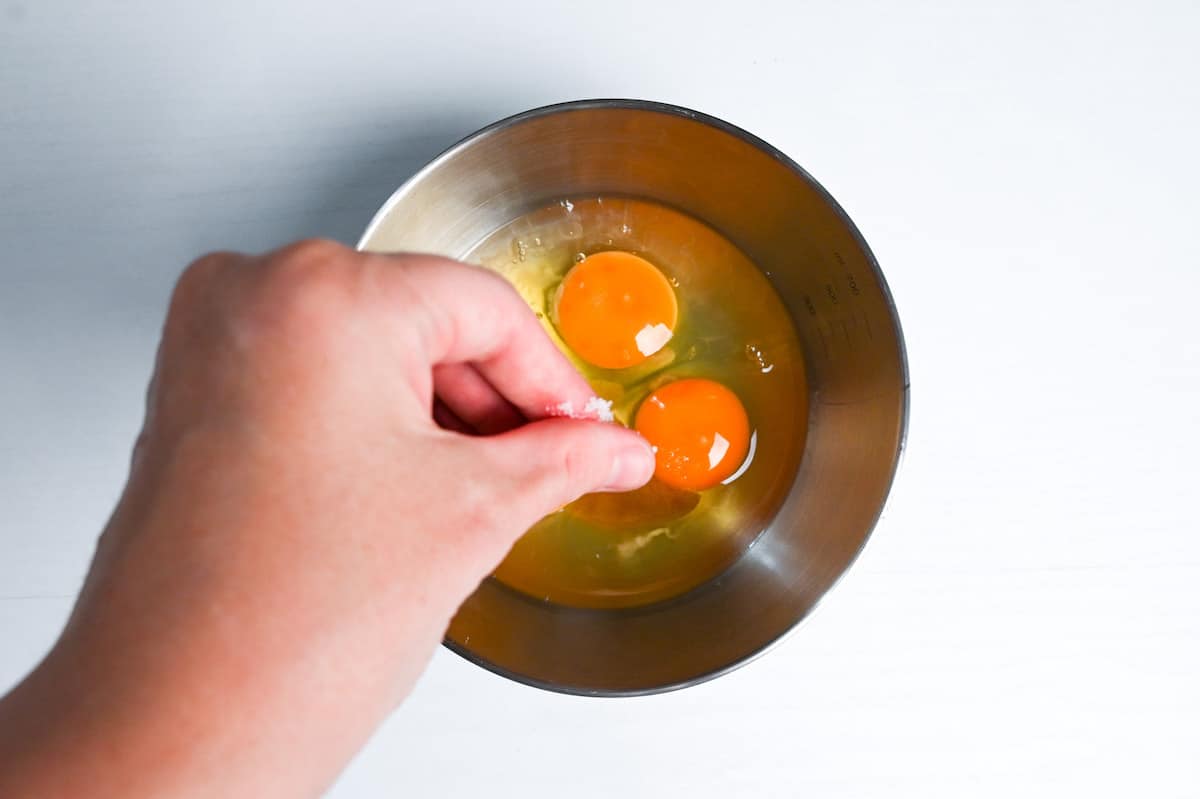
x,y
631,469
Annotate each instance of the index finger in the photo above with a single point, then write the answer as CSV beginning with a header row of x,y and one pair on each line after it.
x,y
473,315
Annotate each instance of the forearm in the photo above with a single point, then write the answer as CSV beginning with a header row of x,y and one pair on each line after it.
x,y
98,722
189,676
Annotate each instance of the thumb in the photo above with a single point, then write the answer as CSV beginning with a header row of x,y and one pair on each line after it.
x,y
555,461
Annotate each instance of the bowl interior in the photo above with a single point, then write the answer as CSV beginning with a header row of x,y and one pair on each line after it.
x,y
848,330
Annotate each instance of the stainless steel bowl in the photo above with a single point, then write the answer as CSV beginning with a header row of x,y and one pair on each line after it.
x,y
843,314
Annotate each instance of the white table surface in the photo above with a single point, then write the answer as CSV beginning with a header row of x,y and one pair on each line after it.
x,y
1026,620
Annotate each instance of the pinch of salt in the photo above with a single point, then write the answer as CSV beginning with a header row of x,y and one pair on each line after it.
x,y
595,409
598,409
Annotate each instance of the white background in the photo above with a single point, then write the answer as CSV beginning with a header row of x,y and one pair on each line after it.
x,y
1026,620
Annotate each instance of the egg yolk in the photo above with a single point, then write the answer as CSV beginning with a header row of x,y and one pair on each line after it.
x,y
615,309
699,430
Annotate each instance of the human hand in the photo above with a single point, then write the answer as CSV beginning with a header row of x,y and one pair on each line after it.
x,y
297,531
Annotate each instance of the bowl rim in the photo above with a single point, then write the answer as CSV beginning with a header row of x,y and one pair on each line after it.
x,y
658,107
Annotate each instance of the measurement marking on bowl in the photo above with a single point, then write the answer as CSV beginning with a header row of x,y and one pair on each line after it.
x,y
867,324
824,341
836,304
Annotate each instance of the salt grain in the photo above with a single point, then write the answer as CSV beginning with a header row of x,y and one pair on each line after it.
x,y
595,409
598,409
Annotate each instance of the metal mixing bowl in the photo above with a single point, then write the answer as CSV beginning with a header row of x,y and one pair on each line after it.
x,y
819,264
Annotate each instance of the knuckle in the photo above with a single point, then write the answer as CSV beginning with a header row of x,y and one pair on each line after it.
x,y
300,267
198,277
192,296
561,475
310,251
581,472
304,288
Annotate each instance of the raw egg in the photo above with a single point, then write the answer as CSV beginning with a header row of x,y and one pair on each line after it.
x,y
614,309
686,337
699,430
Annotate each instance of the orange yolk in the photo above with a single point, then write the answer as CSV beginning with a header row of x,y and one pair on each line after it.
x,y
699,430
615,309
